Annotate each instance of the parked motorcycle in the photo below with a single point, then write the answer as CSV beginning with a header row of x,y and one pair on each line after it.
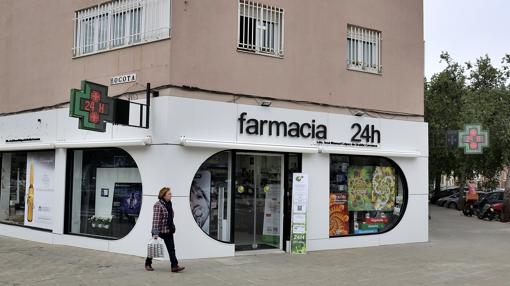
x,y
491,211
469,209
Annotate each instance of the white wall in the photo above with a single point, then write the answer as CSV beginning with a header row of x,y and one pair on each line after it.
x,y
317,168
59,192
76,204
5,185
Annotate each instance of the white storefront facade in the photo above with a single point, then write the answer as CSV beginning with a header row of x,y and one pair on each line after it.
x,y
240,158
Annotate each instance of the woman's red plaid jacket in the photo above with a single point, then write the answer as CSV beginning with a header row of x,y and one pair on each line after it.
x,y
159,219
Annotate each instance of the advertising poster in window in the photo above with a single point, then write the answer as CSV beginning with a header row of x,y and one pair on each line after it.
x,y
384,188
200,199
338,214
39,189
127,200
299,210
271,231
360,188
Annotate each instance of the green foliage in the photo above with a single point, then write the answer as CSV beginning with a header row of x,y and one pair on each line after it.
x,y
470,93
444,96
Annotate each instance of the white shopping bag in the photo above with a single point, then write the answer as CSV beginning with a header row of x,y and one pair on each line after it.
x,y
155,248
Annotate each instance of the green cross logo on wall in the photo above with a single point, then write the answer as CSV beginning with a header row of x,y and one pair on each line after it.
x,y
92,106
473,139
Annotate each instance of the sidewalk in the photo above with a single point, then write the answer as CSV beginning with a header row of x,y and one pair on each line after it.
x,y
462,251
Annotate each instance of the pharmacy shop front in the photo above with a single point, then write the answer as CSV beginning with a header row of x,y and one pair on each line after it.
x,y
233,170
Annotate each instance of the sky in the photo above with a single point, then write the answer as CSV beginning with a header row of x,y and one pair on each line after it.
x,y
467,29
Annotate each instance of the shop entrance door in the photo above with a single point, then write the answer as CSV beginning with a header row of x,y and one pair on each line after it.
x,y
258,207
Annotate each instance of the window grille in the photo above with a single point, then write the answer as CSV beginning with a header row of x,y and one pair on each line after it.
x,y
363,49
120,23
260,28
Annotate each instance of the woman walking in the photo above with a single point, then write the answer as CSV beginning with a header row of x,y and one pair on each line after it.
x,y
163,227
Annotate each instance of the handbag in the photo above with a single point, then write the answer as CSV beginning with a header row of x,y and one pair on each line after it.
x,y
155,249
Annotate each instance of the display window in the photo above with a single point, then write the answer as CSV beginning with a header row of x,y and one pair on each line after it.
x,y
105,192
27,188
210,192
368,195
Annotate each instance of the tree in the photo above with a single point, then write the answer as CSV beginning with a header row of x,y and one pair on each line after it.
x,y
453,99
443,107
489,102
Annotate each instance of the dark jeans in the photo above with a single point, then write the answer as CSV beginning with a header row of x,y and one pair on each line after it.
x,y
168,238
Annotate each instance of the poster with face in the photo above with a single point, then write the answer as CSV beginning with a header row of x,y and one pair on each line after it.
x,y
200,198
39,189
128,196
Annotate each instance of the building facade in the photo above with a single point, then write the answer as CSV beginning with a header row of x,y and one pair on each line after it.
x,y
245,94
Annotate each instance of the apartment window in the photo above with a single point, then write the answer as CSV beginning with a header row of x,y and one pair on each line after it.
x,y
363,49
260,28
120,23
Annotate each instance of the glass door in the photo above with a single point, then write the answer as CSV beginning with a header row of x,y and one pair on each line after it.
x,y
258,201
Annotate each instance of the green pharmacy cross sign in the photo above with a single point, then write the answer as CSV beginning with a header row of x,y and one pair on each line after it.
x,y
92,106
473,139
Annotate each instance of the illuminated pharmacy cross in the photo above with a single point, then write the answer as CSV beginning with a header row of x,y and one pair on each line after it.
x,y
95,107
473,139
92,106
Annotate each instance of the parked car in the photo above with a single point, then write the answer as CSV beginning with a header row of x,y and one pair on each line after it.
x,y
443,193
474,209
440,202
481,195
451,202
454,201
491,211
490,198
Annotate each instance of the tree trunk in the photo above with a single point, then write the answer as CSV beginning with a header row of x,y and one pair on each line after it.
x,y
462,201
506,201
437,188
437,183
